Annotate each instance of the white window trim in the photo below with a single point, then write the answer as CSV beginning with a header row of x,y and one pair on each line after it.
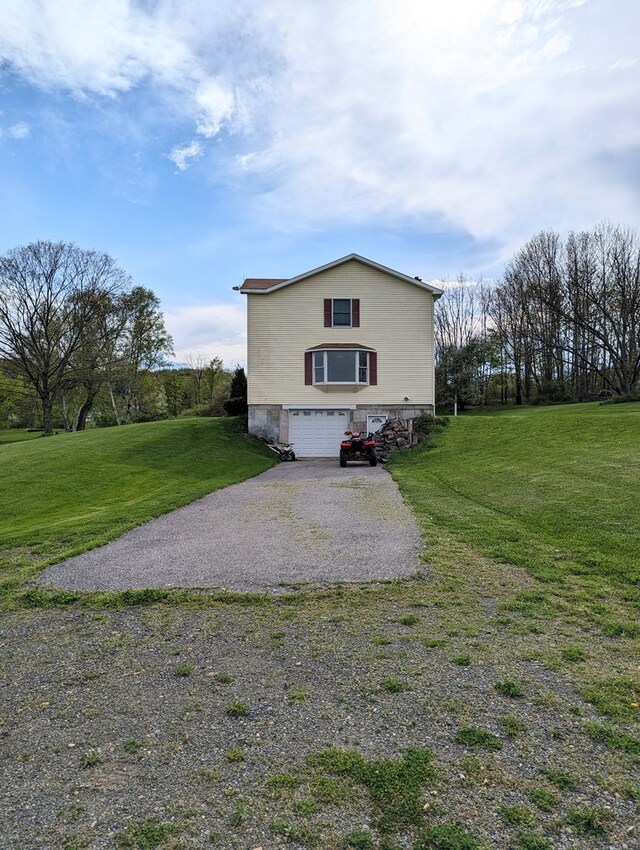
x,y
350,325
356,352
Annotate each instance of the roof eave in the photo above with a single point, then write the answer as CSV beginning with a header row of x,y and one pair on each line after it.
x,y
385,269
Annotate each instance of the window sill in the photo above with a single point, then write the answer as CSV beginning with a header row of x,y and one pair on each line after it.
x,y
325,388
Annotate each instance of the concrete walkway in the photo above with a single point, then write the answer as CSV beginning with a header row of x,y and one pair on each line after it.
x,y
307,521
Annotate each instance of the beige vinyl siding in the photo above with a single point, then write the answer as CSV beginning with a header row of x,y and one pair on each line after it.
x,y
396,319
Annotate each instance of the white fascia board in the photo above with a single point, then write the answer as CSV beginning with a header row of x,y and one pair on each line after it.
x,y
304,406
385,269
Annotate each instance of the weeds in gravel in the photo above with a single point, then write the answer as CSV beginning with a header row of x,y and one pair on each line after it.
x,y
631,791
478,739
283,782
360,839
237,816
613,739
299,694
620,628
447,836
517,815
472,770
561,779
509,688
182,670
461,660
329,790
511,726
223,678
409,620
132,747
295,833
616,697
531,841
573,654
234,755
145,835
395,786
207,774
544,798
381,640
435,643
306,807
392,686
237,708
589,821
90,759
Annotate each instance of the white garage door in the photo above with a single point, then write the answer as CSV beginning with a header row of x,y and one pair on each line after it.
x,y
317,433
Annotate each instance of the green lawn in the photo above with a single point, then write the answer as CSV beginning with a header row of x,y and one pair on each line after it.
x,y
17,435
64,494
552,489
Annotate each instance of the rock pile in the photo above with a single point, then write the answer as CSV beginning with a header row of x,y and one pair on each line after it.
x,y
395,434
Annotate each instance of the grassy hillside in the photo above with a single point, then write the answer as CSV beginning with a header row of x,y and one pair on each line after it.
x,y
17,435
62,495
551,489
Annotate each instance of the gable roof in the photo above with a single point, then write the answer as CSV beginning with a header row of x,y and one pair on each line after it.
x,y
262,286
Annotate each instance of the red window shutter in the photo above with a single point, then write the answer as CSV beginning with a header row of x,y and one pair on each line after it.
x,y
308,367
328,313
355,312
373,368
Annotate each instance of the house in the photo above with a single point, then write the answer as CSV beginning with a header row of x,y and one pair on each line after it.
x,y
341,347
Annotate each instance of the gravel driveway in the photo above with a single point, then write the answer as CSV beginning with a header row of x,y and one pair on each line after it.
x,y
308,521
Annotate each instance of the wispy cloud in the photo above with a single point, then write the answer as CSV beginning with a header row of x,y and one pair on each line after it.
x,y
496,118
182,156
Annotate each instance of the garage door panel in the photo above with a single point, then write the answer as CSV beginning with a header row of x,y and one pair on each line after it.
x,y
317,433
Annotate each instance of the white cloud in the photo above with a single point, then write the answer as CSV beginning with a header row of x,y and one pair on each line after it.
x,y
19,130
496,117
214,330
181,156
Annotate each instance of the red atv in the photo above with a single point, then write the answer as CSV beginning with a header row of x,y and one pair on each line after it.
x,y
358,447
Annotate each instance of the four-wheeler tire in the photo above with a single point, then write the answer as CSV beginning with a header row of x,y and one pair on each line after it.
x,y
343,459
373,460
292,455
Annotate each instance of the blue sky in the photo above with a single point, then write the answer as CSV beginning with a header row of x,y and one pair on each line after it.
x,y
199,142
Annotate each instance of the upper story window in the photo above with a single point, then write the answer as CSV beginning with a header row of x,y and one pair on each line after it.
x,y
342,312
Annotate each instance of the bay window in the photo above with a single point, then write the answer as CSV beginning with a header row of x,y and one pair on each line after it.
x,y
341,366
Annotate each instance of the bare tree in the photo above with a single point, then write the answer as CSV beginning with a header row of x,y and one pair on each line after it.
x,y
464,338
50,293
569,312
198,364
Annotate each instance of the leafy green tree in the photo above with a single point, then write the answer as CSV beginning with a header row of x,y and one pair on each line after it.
x,y
174,391
143,346
237,403
461,370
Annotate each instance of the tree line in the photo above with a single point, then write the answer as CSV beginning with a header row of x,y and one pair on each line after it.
x,y
561,324
80,341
